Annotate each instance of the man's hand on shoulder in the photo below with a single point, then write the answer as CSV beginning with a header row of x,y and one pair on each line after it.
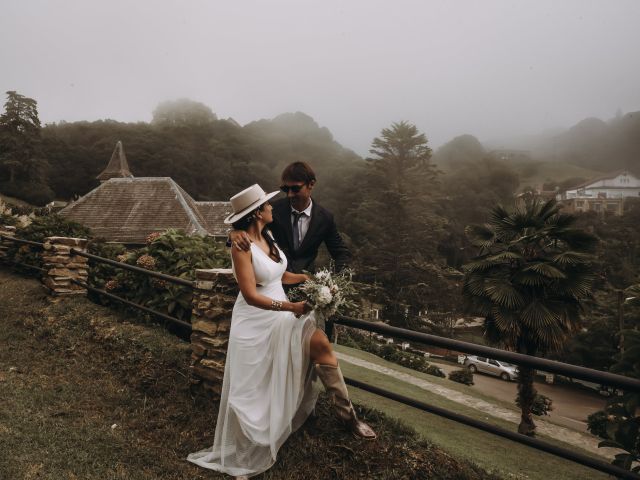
x,y
240,240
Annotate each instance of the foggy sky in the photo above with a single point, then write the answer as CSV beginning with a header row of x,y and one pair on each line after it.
x,y
488,68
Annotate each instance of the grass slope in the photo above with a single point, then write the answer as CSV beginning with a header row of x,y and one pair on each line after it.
x,y
86,395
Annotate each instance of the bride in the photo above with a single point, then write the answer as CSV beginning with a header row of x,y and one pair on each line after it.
x,y
275,352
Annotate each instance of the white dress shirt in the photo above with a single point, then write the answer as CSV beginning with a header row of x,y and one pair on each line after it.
x,y
303,221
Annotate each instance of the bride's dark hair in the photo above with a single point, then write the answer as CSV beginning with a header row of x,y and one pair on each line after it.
x,y
245,222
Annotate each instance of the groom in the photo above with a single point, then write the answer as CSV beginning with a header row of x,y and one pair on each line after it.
x,y
300,225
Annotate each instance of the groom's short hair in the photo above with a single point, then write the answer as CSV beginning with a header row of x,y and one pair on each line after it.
x,y
298,172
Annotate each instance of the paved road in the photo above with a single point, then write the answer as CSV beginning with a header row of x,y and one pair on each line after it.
x,y
568,435
571,406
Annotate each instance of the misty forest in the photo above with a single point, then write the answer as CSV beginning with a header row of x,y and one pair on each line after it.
x,y
404,210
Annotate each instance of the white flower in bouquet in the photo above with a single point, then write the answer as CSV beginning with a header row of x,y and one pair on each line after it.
x,y
324,297
328,294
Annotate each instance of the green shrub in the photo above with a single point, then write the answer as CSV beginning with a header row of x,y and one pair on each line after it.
x,y
390,353
542,404
436,371
173,253
597,424
8,220
461,376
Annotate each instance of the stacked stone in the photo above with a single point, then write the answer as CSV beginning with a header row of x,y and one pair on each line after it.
x,y
213,300
6,231
62,265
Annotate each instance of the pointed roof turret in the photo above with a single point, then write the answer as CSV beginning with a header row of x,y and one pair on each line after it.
x,y
117,167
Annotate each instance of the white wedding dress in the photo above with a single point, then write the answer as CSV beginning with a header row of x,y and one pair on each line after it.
x,y
268,388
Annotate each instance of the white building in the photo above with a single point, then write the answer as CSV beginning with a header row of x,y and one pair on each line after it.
x,y
603,194
616,185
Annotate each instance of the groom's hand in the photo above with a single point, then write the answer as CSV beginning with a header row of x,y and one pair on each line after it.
x,y
240,240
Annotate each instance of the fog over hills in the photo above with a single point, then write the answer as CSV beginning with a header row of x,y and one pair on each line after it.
x,y
493,69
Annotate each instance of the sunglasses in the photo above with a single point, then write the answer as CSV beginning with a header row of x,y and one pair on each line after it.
x,y
293,188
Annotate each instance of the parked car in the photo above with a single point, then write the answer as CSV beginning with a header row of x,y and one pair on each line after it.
x,y
504,370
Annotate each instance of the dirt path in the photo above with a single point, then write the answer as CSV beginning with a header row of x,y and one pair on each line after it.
x,y
578,439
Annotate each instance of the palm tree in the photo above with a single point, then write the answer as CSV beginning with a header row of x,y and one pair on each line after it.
x,y
529,280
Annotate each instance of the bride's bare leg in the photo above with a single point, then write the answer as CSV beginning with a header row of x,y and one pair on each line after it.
x,y
321,351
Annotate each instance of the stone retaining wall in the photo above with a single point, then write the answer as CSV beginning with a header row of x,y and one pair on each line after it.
x,y
7,231
213,300
62,266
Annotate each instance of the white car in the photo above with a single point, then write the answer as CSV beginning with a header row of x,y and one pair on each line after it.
x,y
504,370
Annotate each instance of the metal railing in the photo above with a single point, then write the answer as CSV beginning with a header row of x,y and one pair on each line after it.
x,y
24,242
144,271
573,371
605,378
114,263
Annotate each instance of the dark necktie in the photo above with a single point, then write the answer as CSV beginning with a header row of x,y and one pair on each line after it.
x,y
296,229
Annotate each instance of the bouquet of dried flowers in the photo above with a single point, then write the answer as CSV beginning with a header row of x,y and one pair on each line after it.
x,y
327,293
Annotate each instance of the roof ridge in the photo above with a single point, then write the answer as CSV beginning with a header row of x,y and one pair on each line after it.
x,y
604,176
183,201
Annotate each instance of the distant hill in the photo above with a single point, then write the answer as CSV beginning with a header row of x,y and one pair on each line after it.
x,y
456,153
596,144
537,174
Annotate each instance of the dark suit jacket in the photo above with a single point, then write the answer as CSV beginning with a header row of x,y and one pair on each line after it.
x,y
322,228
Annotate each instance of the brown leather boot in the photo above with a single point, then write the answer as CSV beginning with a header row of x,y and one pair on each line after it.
x,y
333,382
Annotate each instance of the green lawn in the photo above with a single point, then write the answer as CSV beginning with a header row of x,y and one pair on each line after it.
x,y
491,452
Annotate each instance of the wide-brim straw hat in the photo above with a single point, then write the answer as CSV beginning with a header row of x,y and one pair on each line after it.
x,y
248,200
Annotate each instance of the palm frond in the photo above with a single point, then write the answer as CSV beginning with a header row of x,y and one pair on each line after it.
x,y
503,294
577,286
529,278
474,285
478,266
537,317
504,256
480,235
506,321
571,258
548,209
545,269
498,215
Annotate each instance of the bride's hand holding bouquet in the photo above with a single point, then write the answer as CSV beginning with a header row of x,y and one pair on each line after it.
x,y
327,294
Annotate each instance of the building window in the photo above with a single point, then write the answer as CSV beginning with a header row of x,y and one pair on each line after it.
x,y
375,313
612,207
580,203
597,207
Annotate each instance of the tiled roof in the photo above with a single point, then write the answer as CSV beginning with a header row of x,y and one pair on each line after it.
x,y
128,209
214,214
